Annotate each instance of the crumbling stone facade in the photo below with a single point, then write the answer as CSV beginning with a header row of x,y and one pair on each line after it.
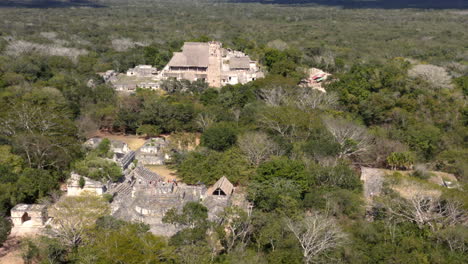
x,y
154,152
28,219
29,214
74,188
145,196
212,63
143,71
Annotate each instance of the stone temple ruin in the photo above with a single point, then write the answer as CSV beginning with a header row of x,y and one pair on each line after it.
x,y
141,195
212,63
145,196
154,152
209,62
28,218
92,186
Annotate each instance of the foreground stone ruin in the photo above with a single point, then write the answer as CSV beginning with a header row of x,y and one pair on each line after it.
x,y
141,195
144,196
28,219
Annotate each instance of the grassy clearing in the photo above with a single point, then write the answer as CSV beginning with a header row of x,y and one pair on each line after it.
x,y
134,142
164,171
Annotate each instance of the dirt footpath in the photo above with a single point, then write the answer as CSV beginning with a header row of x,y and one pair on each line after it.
x,y
10,253
164,171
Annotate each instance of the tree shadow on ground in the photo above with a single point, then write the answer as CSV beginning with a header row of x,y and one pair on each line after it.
x,y
49,3
358,4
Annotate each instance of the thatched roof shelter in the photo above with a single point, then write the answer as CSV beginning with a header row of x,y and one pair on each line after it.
x,y
194,54
223,187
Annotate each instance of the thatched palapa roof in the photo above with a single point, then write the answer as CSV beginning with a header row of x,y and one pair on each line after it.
x,y
239,63
222,184
194,54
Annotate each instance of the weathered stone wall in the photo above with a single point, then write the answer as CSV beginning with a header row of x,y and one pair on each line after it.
x,y
76,190
33,214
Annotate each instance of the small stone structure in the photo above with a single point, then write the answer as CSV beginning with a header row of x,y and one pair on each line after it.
x,y
142,76
116,146
119,147
108,75
142,71
92,186
28,219
145,177
124,160
31,215
93,143
153,152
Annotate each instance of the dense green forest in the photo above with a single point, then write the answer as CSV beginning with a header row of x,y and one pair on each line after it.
x,y
396,100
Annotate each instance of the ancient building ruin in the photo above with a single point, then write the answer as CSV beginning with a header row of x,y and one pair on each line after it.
x,y
212,63
143,71
108,75
29,214
28,219
206,61
93,142
74,188
119,147
154,152
145,196
124,160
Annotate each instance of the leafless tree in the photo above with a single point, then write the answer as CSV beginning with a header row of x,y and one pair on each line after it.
x,y
456,238
278,44
456,69
428,209
285,121
38,132
258,147
214,243
278,123
303,98
238,226
326,58
378,152
122,44
308,98
274,96
30,118
74,215
16,48
182,141
353,139
204,120
316,234
236,112
49,35
86,126
435,75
